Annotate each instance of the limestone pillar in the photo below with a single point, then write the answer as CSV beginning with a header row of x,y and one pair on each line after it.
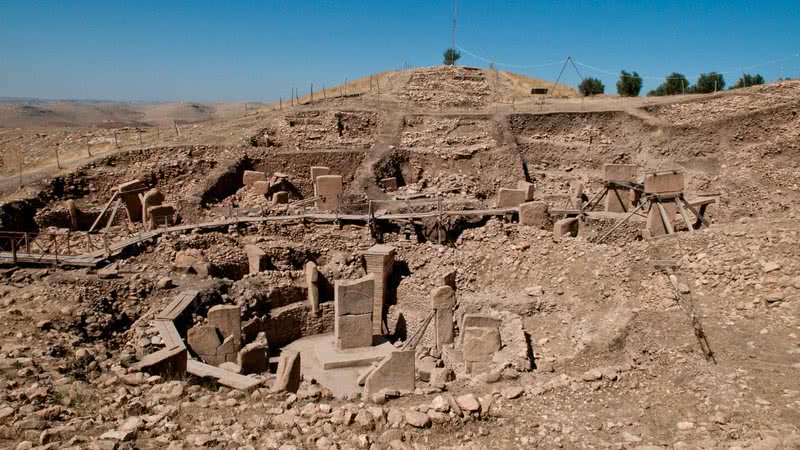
x,y
379,259
443,299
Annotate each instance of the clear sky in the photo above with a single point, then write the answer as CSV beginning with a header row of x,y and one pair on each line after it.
x,y
258,50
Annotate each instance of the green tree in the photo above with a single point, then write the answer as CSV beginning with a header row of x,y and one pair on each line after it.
x,y
450,56
591,86
748,80
707,83
629,84
675,83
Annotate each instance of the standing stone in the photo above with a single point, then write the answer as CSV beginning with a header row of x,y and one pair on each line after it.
x,y
353,303
379,260
621,201
481,339
253,358
664,182
153,197
570,226
256,258
329,187
129,193
534,214
443,299
287,378
73,212
449,279
205,340
528,188
228,351
312,283
250,177
655,224
510,198
318,171
228,320
395,372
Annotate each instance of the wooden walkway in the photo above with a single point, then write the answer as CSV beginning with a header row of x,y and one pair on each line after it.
x,y
94,258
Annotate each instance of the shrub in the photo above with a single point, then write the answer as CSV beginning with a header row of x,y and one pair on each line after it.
x,y
707,83
675,83
450,56
629,84
748,80
591,86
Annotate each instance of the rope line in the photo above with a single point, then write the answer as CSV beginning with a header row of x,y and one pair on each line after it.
x,y
612,73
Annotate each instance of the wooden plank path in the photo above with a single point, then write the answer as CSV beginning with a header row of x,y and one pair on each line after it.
x,y
94,258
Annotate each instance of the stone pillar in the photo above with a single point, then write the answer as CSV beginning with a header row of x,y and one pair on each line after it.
x,y
312,280
528,188
619,172
287,378
353,312
228,320
481,339
664,182
534,214
511,198
280,198
443,299
129,193
153,197
317,171
72,210
250,177
256,258
379,259
329,187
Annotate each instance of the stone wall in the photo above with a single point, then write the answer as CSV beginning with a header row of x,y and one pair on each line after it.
x,y
292,322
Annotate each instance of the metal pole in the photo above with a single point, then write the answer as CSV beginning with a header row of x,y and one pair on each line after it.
x,y
58,161
158,134
116,142
454,25
140,136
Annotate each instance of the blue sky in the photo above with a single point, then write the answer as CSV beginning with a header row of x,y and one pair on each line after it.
x,y
259,50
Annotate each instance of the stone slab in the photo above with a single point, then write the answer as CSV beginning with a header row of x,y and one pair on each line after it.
x,y
354,296
332,358
395,372
528,188
619,172
253,358
510,198
329,187
204,339
222,376
249,177
228,320
663,183
287,377
566,226
353,331
169,363
261,187
534,214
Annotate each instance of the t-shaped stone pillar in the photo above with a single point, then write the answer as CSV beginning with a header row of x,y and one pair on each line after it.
x,y
129,193
380,259
443,299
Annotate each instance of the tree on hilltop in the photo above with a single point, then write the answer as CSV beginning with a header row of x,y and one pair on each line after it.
x,y
629,84
675,83
591,86
450,56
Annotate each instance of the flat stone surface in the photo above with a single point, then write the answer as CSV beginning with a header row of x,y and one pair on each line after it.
x,y
341,381
329,187
661,183
331,358
227,319
203,339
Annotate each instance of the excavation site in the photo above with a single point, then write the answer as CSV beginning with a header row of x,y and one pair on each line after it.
x,y
424,258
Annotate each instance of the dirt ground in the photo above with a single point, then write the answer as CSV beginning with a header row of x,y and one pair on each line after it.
x,y
615,359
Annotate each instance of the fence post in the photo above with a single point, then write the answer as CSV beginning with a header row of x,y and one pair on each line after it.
x,y
89,149
58,160
20,170
158,134
27,244
13,249
116,142
312,93
177,130
138,131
